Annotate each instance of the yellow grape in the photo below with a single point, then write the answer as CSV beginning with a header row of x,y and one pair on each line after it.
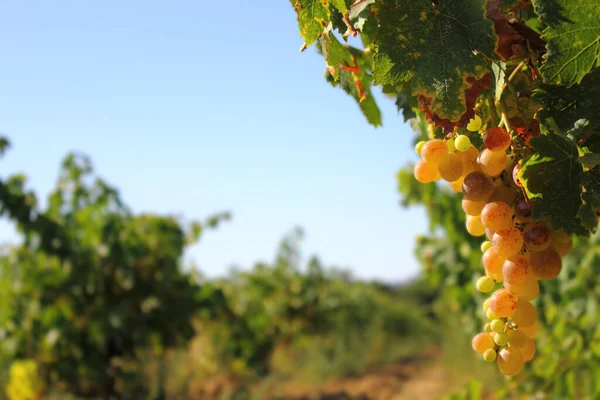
x,y
451,167
492,162
426,173
537,236
497,325
508,242
496,139
516,269
528,290
482,341
477,186
503,304
530,330
490,314
489,355
475,123
457,185
485,245
492,262
485,284
487,328
522,210
510,361
560,236
450,145
502,193
434,151
474,226
469,159
562,248
419,147
546,264
517,339
471,207
497,216
486,304
462,143
525,314
528,351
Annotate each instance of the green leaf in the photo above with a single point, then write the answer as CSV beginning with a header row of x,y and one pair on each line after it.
x,y
500,75
590,200
433,43
590,160
313,17
551,179
572,39
340,5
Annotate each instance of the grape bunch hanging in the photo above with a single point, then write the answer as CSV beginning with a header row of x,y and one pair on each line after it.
x,y
519,251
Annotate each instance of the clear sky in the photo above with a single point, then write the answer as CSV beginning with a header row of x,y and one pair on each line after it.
x,y
195,107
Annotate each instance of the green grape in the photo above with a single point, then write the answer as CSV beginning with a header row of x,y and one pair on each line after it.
x,y
497,325
419,147
490,314
474,124
485,246
501,339
489,355
487,328
482,341
450,145
462,143
486,304
485,284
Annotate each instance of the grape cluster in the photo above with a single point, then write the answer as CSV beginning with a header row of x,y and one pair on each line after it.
x,y
519,252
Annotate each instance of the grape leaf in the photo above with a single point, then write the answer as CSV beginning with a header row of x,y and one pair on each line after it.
x,y
432,44
590,199
313,17
569,105
340,5
551,179
572,37
590,160
508,43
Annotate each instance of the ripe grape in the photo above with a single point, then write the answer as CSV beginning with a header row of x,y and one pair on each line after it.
x,y
528,351
472,207
497,325
451,167
503,304
497,216
525,314
496,139
489,233
426,173
501,339
474,226
523,210
515,174
502,193
492,263
537,236
517,339
457,185
485,284
475,123
492,162
516,269
510,361
482,341
469,159
462,143
485,245
419,147
434,151
530,330
562,248
477,186
527,290
546,264
489,355
560,236
508,242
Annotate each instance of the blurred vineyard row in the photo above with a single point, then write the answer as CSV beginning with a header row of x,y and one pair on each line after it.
x,y
96,302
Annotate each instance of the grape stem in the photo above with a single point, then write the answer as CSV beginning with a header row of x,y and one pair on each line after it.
x,y
504,121
493,111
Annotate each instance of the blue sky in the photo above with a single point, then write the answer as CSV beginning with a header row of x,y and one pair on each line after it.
x,y
194,107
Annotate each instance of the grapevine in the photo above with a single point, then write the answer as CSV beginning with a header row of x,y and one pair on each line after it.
x,y
504,95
